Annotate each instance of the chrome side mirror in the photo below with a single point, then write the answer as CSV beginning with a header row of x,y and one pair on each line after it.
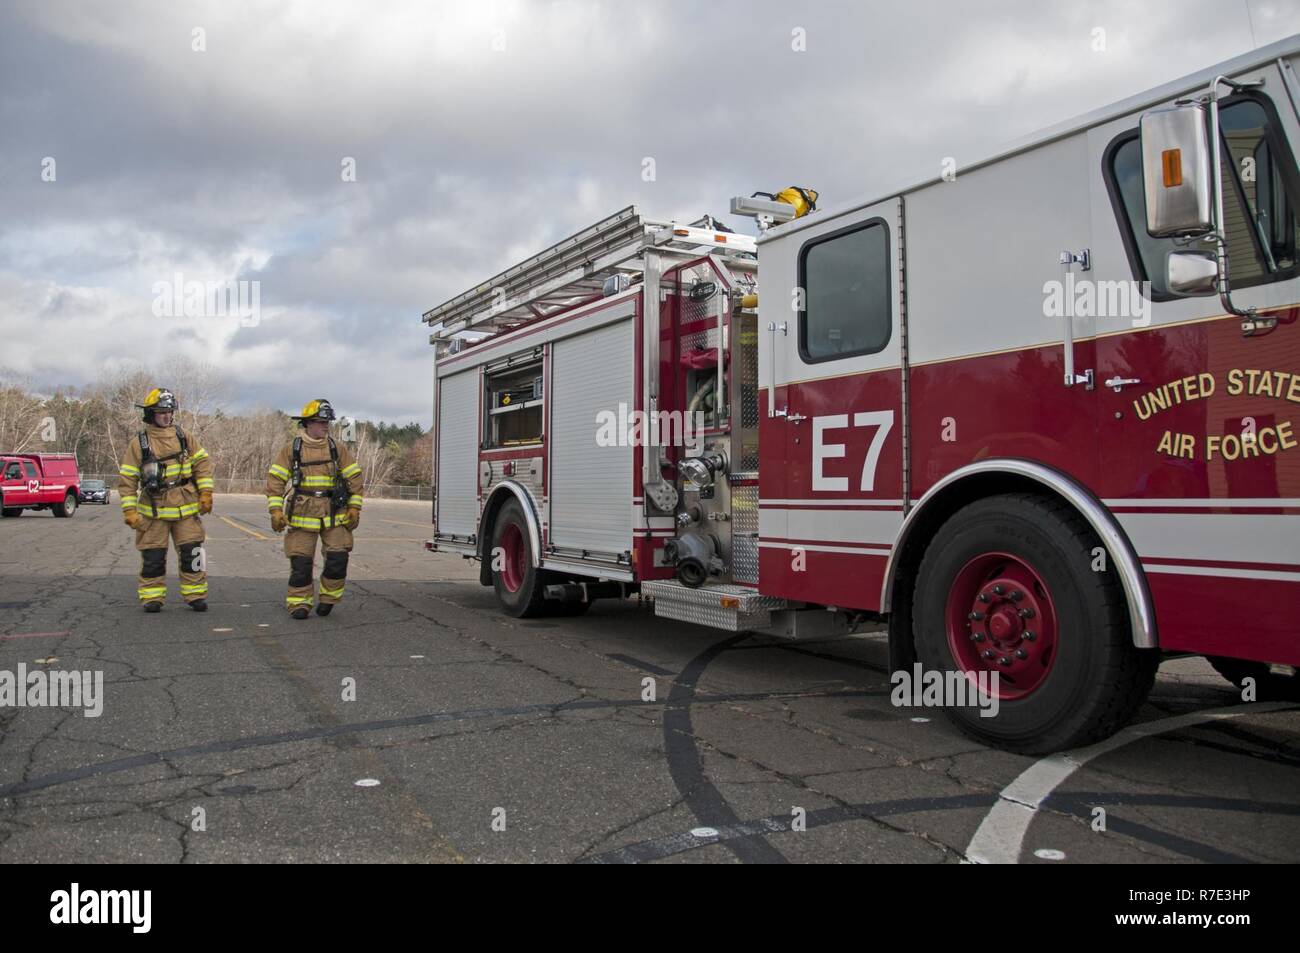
x,y
1189,274
1176,171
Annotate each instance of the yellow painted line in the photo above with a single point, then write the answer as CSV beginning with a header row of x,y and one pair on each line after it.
x,y
428,525
243,529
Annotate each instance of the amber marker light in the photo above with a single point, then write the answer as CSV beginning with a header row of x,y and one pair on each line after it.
x,y
1171,160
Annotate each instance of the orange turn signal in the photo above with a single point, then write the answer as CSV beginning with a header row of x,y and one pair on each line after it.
x,y
1171,160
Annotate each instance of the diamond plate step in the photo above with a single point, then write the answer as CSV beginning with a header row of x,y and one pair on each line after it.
x,y
721,606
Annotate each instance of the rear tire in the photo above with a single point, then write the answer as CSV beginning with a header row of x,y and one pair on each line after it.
x,y
67,507
1268,687
12,511
1023,564
519,584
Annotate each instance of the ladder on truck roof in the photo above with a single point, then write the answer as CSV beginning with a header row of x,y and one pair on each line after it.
x,y
575,269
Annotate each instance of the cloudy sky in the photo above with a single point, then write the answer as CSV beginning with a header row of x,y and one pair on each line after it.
x,y
481,132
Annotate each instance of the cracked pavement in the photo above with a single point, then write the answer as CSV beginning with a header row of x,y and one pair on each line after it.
x,y
462,712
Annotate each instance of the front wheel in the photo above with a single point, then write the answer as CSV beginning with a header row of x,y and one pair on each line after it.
x,y
12,511
67,507
1006,594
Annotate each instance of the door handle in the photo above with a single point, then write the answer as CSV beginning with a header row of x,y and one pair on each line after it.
x,y
785,412
772,328
1067,260
1117,384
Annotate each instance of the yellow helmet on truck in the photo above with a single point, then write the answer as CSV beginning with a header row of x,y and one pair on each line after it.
x,y
803,200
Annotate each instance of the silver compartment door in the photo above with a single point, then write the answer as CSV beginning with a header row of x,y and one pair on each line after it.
x,y
590,485
457,465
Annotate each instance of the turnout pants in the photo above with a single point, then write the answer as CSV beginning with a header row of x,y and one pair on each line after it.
x,y
187,536
300,547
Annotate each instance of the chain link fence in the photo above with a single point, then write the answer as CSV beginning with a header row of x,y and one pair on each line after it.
x,y
383,491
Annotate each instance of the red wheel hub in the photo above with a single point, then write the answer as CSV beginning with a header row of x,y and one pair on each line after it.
x,y
514,558
1001,618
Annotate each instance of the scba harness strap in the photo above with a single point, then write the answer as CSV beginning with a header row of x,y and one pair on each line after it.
x,y
338,490
151,467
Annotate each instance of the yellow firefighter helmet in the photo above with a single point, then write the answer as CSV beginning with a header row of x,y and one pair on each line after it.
x,y
803,200
319,409
158,400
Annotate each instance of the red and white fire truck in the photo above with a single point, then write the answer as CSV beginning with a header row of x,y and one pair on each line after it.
x,y
39,481
1038,413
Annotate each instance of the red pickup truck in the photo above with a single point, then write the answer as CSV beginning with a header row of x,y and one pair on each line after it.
x,y
39,481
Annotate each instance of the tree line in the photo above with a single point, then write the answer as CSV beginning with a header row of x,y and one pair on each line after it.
x,y
98,421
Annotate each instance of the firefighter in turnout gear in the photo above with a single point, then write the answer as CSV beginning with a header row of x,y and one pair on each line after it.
x,y
165,483
313,489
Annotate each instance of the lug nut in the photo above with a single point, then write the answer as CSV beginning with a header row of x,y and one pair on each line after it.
x,y
1028,635
984,597
1003,660
998,590
976,616
1021,654
987,653
1016,595
977,637
1026,613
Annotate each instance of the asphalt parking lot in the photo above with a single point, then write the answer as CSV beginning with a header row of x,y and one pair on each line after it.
x,y
228,736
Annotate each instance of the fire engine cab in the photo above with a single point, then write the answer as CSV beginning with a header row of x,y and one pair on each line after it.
x,y
1039,414
39,481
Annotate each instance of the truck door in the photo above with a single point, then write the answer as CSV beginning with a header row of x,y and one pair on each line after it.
x,y
33,475
16,489
10,481
1199,423
831,467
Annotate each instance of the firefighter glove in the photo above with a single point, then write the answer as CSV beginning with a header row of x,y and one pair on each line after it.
x,y
133,519
205,501
354,517
278,522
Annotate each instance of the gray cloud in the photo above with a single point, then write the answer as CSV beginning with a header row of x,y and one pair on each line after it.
x,y
225,164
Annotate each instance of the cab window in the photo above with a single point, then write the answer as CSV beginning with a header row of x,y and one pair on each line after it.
x,y
845,281
31,470
12,472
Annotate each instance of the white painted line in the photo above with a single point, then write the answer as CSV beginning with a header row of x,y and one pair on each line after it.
x,y
1047,853
367,783
704,832
1001,835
